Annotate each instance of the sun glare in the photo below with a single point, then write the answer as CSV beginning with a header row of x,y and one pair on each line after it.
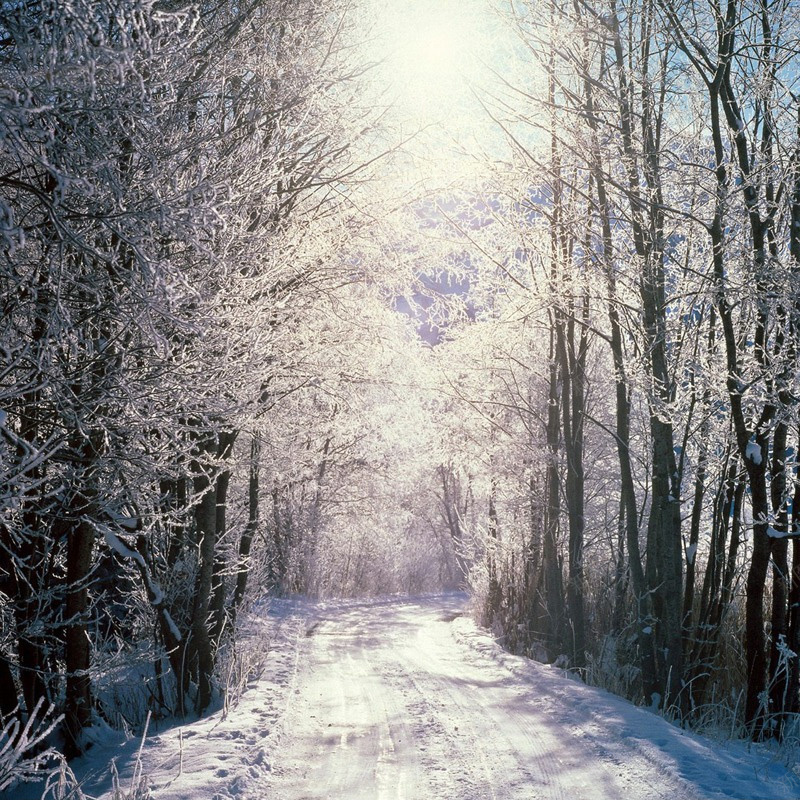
x,y
433,57
429,57
428,54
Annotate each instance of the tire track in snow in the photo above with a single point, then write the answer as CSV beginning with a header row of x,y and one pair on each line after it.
x,y
346,738
520,766
394,702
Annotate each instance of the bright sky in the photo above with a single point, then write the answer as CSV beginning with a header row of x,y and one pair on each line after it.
x,y
431,51
435,56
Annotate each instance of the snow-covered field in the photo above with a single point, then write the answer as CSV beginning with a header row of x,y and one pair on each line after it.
x,y
405,698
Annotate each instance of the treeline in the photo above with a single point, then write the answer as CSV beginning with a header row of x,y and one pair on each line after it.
x,y
167,176
644,255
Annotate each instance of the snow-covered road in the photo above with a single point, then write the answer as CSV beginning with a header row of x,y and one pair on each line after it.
x,y
407,700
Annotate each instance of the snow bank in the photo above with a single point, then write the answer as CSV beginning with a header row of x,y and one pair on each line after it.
x,y
710,768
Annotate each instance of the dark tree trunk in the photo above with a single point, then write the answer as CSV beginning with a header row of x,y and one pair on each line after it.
x,y
793,638
572,359
281,531
250,530
718,581
778,668
30,645
494,599
170,635
217,615
77,653
755,640
200,656
597,186
620,582
533,555
9,703
694,539
664,568
175,504
551,591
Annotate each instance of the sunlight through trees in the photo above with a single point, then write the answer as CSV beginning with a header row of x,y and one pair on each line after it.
x,y
344,298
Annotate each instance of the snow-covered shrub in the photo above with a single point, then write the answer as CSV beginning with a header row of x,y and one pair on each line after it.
x,y
24,755
138,788
61,783
241,661
722,716
612,668
128,688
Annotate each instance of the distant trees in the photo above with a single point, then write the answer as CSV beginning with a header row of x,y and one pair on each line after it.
x,y
352,468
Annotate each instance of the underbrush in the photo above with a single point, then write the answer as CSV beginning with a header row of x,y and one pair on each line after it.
x,y
133,691
242,662
133,686
608,668
714,700
25,754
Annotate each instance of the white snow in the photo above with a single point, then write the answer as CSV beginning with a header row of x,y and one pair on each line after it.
x,y
691,552
406,698
119,547
753,452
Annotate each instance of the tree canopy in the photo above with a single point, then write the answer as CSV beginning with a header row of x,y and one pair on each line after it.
x,y
306,297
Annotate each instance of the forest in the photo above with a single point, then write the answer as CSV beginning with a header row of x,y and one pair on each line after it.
x,y
320,297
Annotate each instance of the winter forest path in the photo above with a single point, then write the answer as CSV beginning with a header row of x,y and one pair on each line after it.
x,y
407,700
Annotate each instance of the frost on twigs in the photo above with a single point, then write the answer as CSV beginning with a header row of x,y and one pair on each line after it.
x,y
21,760
61,783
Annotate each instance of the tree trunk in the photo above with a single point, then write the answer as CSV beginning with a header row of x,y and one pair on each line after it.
x,y
664,567
77,654
170,635
494,597
551,622
694,538
217,616
205,521
793,636
250,530
620,583
572,364
755,640
644,629
779,666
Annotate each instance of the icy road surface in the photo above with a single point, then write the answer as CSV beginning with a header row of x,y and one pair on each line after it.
x,y
408,700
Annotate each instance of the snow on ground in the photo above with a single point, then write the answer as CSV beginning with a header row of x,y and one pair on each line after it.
x,y
407,699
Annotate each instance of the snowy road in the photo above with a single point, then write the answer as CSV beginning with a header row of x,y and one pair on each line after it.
x,y
408,701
